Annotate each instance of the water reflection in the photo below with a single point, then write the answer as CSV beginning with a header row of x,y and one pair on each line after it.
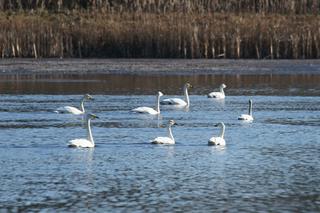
x,y
218,103
218,149
261,84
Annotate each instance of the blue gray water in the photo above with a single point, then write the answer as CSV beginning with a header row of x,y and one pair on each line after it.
x,y
269,165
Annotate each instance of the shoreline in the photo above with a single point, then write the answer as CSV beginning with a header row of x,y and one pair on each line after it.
x,y
22,66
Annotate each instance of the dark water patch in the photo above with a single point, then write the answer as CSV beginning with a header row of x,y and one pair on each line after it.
x,y
127,77
293,121
303,84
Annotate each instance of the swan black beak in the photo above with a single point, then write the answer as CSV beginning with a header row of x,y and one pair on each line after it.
x,y
94,116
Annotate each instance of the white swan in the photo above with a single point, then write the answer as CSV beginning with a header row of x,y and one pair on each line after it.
x,y
166,140
218,95
247,117
74,110
149,110
218,140
177,101
82,142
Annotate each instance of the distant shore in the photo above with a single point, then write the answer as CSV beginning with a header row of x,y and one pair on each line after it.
x,y
170,34
157,66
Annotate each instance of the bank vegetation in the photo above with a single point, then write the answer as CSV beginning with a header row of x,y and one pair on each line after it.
x,y
261,29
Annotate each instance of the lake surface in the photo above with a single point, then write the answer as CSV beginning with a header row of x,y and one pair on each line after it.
x,y
269,165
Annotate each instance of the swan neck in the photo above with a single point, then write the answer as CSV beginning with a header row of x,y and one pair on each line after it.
x,y
89,133
221,90
170,132
223,128
186,95
250,108
158,104
81,106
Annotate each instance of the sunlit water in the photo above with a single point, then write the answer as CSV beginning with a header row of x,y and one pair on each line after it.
x,y
269,165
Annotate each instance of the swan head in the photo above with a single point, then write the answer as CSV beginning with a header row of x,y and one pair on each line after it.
x,y
250,101
160,94
88,97
91,116
172,122
188,85
223,86
221,124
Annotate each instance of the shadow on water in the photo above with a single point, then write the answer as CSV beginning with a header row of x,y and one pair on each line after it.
x,y
124,84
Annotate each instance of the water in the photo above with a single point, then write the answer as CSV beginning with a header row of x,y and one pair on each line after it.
x,y
145,76
269,165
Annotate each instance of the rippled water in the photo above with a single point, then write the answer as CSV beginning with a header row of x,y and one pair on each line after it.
x,y
269,165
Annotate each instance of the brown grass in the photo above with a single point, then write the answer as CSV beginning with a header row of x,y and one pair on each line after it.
x,y
156,29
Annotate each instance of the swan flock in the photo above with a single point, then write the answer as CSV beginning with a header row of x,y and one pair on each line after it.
x,y
88,142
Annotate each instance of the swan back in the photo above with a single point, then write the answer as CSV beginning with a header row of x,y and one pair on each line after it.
x,y
162,140
81,143
146,110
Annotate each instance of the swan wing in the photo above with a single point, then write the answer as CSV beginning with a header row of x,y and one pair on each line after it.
x,y
173,101
217,95
216,141
245,117
84,143
162,140
69,109
147,110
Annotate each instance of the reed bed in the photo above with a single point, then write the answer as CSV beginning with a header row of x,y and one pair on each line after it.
x,y
160,29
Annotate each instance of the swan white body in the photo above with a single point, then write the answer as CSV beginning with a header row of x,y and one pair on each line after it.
x,y
247,117
149,110
178,101
85,142
74,110
165,140
218,95
218,141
